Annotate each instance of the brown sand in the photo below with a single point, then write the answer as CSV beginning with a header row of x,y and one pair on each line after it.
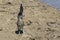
x,y
42,22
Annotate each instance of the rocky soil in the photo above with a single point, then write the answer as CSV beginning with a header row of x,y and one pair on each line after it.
x,y
42,22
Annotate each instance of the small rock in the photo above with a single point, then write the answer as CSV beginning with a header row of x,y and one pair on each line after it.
x,y
9,3
52,22
38,28
49,23
32,39
49,29
0,29
58,36
29,22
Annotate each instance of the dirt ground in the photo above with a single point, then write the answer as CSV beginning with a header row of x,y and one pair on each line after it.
x,y
42,22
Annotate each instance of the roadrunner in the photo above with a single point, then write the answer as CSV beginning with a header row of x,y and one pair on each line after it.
x,y
20,22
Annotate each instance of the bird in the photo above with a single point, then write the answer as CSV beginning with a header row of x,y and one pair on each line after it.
x,y
20,22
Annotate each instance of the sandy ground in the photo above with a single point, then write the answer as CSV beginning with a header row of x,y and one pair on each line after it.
x,y
42,22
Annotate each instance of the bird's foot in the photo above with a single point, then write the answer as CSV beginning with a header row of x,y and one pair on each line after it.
x,y
19,32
